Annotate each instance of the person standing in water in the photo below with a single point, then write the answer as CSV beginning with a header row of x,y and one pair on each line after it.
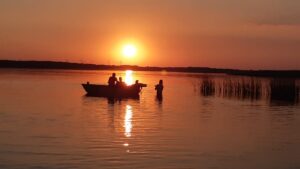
x,y
159,88
112,80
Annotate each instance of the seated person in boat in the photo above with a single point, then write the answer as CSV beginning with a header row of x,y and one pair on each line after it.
x,y
159,88
112,80
137,85
120,83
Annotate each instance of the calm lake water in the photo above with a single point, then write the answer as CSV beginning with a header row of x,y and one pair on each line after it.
x,y
203,121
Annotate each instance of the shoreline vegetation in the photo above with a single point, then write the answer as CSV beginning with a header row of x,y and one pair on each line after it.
x,y
84,66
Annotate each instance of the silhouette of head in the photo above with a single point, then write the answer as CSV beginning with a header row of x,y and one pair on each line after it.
x,y
114,74
120,79
137,82
160,81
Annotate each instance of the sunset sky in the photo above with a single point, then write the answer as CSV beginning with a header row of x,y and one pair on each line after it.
x,y
247,34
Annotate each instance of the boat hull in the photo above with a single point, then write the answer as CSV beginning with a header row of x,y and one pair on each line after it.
x,y
113,92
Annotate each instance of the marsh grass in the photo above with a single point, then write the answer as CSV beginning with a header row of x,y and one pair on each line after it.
x,y
274,90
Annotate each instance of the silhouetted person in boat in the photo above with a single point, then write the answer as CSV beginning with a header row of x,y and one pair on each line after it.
x,y
137,85
112,80
159,88
120,83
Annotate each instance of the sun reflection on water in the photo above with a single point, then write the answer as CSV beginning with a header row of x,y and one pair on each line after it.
x,y
128,77
128,121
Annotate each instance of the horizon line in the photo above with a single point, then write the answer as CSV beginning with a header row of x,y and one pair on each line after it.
x,y
138,66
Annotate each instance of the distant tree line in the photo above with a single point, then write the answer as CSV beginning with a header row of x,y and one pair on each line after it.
x,y
83,66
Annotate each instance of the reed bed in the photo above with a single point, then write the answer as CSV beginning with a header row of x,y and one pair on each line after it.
x,y
283,90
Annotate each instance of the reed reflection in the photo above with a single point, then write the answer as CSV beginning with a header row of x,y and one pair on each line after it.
x,y
284,92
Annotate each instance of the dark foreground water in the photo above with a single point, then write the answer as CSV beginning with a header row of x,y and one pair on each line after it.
x,y
203,121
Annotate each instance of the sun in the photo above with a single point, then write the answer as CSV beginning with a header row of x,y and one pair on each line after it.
x,y
129,51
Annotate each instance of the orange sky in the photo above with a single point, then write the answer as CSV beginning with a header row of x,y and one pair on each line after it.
x,y
248,34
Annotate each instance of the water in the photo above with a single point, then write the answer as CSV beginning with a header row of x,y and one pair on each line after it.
x,y
203,121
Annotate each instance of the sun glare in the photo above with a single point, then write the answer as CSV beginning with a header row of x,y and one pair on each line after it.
x,y
129,51
128,77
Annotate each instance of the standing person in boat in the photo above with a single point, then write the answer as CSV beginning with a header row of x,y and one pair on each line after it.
x,y
159,88
112,80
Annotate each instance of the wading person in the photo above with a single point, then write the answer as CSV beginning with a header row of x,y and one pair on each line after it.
x,y
159,88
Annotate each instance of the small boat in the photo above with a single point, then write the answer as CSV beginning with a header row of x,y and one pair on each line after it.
x,y
98,90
